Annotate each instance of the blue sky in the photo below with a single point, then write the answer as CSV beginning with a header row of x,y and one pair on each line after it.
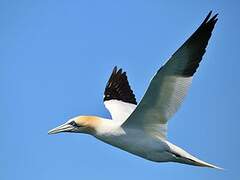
x,y
55,59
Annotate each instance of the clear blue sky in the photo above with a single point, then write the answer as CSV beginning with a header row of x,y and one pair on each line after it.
x,y
55,59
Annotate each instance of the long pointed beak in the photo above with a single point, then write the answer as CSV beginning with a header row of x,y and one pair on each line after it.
x,y
61,128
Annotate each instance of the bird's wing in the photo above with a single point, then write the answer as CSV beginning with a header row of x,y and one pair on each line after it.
x,y
118,96
169,86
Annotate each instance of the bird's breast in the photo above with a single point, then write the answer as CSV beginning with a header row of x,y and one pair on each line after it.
x,y
136,142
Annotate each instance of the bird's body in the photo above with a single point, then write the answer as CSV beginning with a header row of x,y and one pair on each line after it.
x,y
138,143
141,128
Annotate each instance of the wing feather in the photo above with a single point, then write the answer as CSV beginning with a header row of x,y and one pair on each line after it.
x,y
119,98
169,86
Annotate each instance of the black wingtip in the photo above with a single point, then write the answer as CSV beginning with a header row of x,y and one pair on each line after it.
x,y
119,71
214,18
197,44
118,87
115,69
208,16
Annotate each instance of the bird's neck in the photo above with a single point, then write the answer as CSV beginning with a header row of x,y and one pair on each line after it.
x,y
100,126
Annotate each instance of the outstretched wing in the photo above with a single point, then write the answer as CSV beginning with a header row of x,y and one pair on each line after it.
x,y
118,96
170,84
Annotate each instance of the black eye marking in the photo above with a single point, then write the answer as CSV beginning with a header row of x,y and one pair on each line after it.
x,y
73,123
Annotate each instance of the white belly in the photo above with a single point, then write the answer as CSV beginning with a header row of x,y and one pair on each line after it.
x,y
140,144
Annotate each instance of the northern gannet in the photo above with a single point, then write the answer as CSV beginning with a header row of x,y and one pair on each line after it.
x,y
141,128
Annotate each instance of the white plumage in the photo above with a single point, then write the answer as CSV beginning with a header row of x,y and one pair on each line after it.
x,y
141,128
119,110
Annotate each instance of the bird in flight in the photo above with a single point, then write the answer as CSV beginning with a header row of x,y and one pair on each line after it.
x,y
141,128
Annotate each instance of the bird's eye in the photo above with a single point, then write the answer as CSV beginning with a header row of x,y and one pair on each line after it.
x,y
73,123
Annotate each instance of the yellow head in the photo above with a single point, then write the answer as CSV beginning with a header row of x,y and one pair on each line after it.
x,y
79,124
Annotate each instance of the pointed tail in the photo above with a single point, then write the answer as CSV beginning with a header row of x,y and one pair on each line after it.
x,y
198,162
182,156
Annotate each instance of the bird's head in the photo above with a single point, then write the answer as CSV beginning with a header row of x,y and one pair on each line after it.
x,y
79,124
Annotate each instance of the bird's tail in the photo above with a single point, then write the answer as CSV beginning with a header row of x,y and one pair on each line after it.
x,y
197,162
182,156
